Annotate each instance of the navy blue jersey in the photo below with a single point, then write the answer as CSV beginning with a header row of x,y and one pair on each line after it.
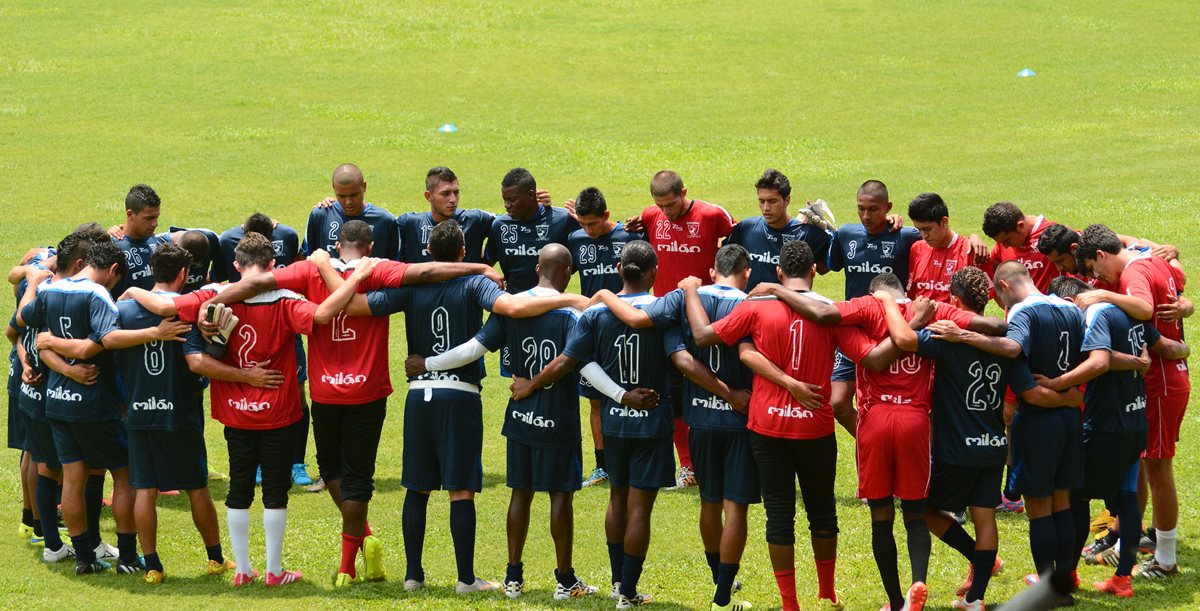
x,y
325,225
1116,401
439,317
137,258
702,409
515,244
284,240
1050,332
633,358
32,399
864,256
596,260
968,401
160,390
78,309
549,418
414,228
200,272
764,243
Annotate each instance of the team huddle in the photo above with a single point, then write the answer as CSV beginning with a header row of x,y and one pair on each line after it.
x,y
695,336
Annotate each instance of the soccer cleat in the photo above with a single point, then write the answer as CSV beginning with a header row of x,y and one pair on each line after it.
x,y
1099,546
344,580
318,486
98,566
1108,556
616,590
24,531
130,568
598,476
960,517
216,476
685,478
480,585
1147,545
1151,569
579,590
624,602
1102,521
412,585
514,589
283,579
300,475
961,603
258,476
105,551
915,599
153,577
169,492
1120,587
37,541
50,556
372,550
1017,506
218,568
997,567
834,605
732,606
245,579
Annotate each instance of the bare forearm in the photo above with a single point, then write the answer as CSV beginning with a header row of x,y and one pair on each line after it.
x,y
816,311
1171,349
74,348
1000,346
1096,365
205,365
435,271
128,338
702,331
553,372
246,288
761,365
157,304
337,301
699,374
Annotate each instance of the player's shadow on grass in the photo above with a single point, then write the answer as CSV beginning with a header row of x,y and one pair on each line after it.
x,y
176,585
384,485
217,489
537,597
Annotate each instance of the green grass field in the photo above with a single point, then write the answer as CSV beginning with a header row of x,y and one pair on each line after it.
x,y
228,108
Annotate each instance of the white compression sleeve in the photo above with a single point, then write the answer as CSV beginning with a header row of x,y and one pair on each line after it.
x,y
462,354
600,381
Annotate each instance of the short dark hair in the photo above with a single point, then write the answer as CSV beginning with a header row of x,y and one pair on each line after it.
x,y
1068,287
72,248
796,259
437,175
104,255
874,188
167,260
1057,239
637,260
196,243
1001,217
1097,238
519,177
446,241
775,180
886,280
356,233
590,202
731,260
140,197
261,224
254,249
666,182
928,208
970,285
93,232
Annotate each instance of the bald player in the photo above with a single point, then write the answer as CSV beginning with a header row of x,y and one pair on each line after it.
x,y
349,203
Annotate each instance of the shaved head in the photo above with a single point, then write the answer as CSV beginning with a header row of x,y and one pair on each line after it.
x,y
874,189
347,174
554,266
1012,272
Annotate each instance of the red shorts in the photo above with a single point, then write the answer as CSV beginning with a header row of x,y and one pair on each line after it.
x,y
1166,417
893,452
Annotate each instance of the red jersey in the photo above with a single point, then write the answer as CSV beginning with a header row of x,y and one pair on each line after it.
x,y
348,358
930,269
686,246
909,380
1154,281
1039,266
266,334
798,346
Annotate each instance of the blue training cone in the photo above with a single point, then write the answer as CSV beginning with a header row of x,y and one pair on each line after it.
x,y
1026,72
448,128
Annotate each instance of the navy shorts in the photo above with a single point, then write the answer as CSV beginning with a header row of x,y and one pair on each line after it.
x,y
443,440
101,445
301,361
39,441
646,463
1047,451
544,469
16,427
1111,462
953,488
725,467
168,460
589,392
843,368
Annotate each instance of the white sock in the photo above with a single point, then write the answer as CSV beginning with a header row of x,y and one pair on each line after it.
x,y
238,522
1117,547
274,524
1164,552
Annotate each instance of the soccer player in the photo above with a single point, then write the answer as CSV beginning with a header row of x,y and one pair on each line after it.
x,y
442,193
1061,243
258,421
940,252
205,248
864,250
330,215
142,206
443,417
516,237
637,434
1149,290
542,430
596,251
763,236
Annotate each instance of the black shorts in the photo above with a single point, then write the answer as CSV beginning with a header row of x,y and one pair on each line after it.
x,y
1047,451
725,467
443,440
646,463
248,449
39,441
544,469
101,445
347,440
782,463
843,368
953,488
16,427
168,460
1111,460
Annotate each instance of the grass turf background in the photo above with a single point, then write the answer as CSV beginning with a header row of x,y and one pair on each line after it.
x,y
229,109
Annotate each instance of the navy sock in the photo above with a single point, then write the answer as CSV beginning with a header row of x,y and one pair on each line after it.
x,y
1043,539
412,521
883,546
631,572
153,563
127,548
725,574
565,578
919,545
714,560
1130,515
46,495
984,561
958,539
214,553
600,464
515,572
462,532
27,517
84,552
616,556
93,502
1066,552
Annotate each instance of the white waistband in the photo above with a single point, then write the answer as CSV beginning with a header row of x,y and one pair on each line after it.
x,y
445,384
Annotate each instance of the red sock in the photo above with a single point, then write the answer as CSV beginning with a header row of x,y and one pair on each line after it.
x,y
825,571
350,547
681,443
787,589
366,529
